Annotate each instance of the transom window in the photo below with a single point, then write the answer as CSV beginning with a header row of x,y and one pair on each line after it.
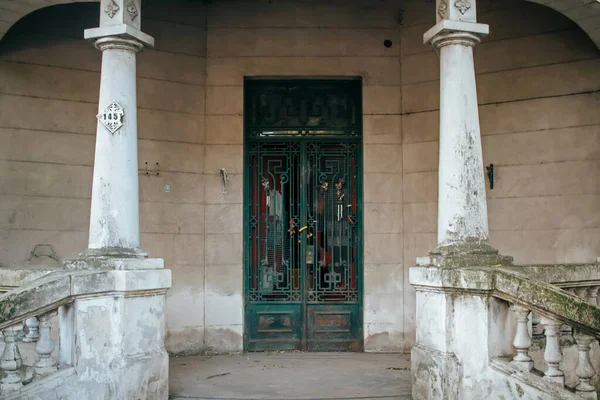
x,y
303,107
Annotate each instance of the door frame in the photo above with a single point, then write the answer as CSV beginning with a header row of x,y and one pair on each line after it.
x,y
247,190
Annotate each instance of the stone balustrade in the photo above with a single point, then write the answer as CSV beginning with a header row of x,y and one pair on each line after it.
x,y
16,373
553,356
98,300
514,346
552,328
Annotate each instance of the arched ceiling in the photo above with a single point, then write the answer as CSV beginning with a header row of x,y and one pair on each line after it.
x,y
586,13
13,10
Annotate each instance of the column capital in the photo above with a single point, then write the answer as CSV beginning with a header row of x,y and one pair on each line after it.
x,y
118,42
119,36
448,32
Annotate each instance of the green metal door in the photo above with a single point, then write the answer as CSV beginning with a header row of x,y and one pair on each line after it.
x,y
303,247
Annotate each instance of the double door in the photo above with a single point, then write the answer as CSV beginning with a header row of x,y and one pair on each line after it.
x,y
303,271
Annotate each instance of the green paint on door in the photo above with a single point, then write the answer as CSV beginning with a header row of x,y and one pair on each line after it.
x,y
303,215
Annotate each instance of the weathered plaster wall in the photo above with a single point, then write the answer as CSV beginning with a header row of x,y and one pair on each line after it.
x,y
537,74
285,38
538,79
49,82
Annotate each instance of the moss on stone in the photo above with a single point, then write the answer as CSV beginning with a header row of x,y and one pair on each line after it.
x,y
468,254
548,298
513,286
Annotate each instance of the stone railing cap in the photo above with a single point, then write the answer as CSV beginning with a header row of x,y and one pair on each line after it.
x,y
53,290
514,286
584,274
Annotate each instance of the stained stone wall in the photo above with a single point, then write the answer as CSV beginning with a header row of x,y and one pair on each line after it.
x,y
538,85
49,82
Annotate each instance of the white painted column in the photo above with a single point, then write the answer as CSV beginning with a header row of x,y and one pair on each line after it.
x,y
457,320
114,217
462,208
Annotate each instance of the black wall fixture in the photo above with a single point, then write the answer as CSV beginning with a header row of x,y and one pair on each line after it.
x,y
490,174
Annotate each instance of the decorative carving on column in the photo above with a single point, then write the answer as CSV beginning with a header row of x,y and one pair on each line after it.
x,y
132,10
442,9
462,6
111,8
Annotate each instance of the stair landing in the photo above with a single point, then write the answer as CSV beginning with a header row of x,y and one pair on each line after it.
x,y
291,375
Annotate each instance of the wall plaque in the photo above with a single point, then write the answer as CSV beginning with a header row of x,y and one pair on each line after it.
x,y
112,117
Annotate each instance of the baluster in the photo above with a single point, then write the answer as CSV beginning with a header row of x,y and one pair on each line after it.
x,y
537,328
45,364
11,361
584,369
593,292
33,335
522,341
553,354
581,292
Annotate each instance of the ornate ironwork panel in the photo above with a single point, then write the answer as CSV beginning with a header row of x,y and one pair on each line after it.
x,y
274,214
332,209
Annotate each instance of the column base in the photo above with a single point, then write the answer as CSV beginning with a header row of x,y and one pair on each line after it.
x,y
120,336
456,329
466,254
95,259
114,252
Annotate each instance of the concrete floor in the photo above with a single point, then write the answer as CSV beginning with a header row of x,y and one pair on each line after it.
x,y
291,376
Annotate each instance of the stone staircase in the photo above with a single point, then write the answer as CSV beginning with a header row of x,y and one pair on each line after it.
x,y
556,332
90,334
510,332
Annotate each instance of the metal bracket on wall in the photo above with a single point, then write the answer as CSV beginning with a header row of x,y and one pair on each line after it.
x,y
490,174
157,169
224,179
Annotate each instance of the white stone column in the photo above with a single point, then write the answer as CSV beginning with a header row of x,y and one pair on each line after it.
x,y
457,318
113,334
114,217
462,208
